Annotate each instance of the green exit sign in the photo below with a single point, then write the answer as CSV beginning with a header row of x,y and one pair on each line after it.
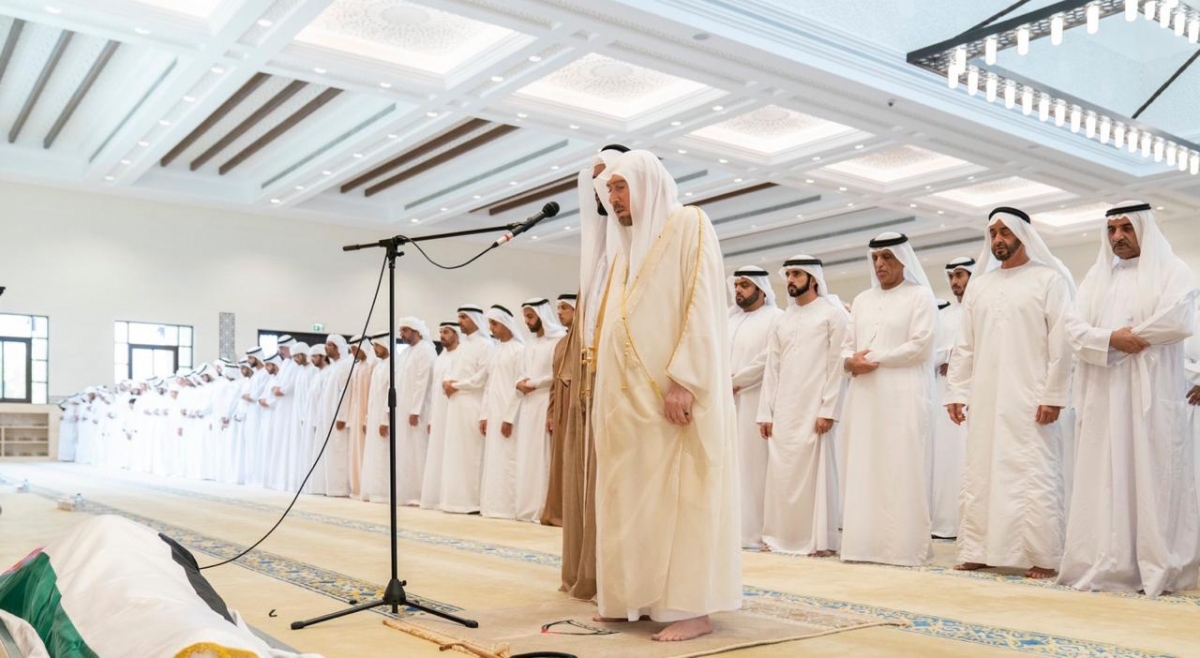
x,y
318,327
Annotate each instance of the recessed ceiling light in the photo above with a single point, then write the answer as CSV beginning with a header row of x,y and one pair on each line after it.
x,y
478,196
218,70
849,205
358,155
126,161
816,158
553,167
841,189
1085,235
682,152
265,22
274,200
163,122
512,182
393,136
723,161
566,228
574,126
141,30
445,210
858,147
415,220
299,188
522,115
53,10
737,180
535,58
970,178
754,226
687,194
718,108
143,143
110,178
189,99
929,187
497,78
385,85
943,226
1158,208
676,123
800,216
809,181
912,205
326,172
535,237
941,212
319,71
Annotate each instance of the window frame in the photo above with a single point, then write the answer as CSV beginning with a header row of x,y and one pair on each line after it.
x,y
30,360
177,347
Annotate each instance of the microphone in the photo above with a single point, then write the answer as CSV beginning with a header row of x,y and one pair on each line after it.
x,y
548,210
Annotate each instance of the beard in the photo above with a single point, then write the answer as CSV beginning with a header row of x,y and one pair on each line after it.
x,y
797,291
747,302
1006,251
537,326
600,208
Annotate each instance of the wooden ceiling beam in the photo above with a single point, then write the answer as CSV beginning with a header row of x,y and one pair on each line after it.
x,y
249,122
735,193
80,92
441,159
233,101
287,124
414,153
550,189
60,47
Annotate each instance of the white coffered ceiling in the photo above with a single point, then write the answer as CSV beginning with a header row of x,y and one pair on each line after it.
x,y
797,126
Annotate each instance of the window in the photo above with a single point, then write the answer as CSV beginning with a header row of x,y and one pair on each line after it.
x,y
144,350
24,358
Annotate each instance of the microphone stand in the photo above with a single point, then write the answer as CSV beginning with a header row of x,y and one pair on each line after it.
x,y
394,594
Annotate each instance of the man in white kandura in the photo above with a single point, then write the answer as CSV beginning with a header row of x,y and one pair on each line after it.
x,y
376,475
667,526
533,388
1133,523
1010,373
335,463
414,378
431,483
462,449
888,417
801,389
949,447
749,323
498,487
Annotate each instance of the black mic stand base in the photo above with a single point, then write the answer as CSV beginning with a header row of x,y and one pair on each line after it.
x,y
393,596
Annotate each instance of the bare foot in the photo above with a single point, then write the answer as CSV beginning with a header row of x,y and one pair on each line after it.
x,y
970,566
824,553
1038,573
764,549
684,630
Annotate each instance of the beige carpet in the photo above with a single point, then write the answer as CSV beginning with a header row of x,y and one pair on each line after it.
x,y
517,630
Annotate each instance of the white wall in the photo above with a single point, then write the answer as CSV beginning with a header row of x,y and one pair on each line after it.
x,y
86,260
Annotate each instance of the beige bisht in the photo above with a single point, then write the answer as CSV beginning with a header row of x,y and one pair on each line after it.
x,y
667,515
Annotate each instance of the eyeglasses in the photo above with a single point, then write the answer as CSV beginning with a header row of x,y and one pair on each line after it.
x,y
584,628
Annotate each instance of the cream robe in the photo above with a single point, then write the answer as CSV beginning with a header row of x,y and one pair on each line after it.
x,y
413,440
317,425
224,405
235,466
949,445
356,420
462,452
748,336
802,382
266,427
431,483
667,526
252,439
297,457
377,451
283,427
533,441
335,463
887,427
498,487
1133,523
1010,357
1192,372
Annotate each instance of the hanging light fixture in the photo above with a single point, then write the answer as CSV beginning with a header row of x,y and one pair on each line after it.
x,y
1023,40
1131,7
973,81
1089,125
1179,22
1027,101
1105,130
1182,157
1148,9
1147,142
1171,154
1132,139
1193,31
1044,107
989,50
1164,15
1076,115
1060,114
1194,165
1010,95
1159,148
1119,136
1093,18
991,89
1056,29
